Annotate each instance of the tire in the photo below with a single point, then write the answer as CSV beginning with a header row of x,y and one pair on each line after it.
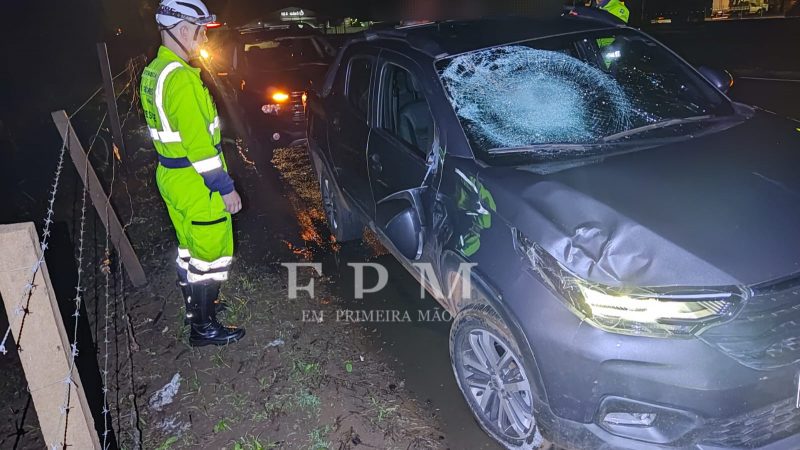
x,y
344,224
478,328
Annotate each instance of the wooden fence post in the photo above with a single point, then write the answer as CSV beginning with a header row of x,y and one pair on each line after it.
x,y
111,98
100,200
45,355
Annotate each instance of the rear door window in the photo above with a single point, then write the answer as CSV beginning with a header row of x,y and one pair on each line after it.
x,y
359,73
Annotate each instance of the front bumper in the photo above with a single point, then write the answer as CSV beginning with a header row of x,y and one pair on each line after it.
x,y
280,131
286,127
701,397
580,435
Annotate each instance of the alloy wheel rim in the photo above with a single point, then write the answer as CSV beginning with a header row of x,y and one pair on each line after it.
x,y
493,376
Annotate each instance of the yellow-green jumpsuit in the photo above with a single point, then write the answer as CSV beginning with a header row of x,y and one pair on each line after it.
x,y
192,174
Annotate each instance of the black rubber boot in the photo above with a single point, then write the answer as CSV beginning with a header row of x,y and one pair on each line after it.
x,y
190,307
205,329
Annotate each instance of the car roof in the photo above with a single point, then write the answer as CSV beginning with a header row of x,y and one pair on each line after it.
x,y
441,39
275,32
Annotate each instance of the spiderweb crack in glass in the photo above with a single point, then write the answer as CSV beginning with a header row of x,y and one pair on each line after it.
x,y
515,96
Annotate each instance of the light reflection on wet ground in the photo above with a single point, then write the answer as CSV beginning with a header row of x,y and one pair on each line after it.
x,y
419,350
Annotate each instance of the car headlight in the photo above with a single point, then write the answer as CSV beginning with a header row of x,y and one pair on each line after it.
x,y
657,312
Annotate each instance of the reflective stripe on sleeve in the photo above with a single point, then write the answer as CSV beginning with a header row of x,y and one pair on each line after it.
x,y
165,136
208,164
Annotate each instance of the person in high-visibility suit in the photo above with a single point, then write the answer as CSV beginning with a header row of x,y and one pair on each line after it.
x,y
191,175
616,8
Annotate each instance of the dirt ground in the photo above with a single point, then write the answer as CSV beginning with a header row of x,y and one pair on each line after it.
x,y
290,384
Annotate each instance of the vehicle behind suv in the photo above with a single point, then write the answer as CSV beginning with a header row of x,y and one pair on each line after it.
x,y
270,69
616,239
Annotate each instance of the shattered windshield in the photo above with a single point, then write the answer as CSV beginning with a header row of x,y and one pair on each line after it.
x,y
577,91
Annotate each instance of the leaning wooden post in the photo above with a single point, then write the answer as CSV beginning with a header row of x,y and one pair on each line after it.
x,y
45,352
100,200
111,98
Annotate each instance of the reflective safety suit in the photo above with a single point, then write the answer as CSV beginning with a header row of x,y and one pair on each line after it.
x,y
618,9
192,174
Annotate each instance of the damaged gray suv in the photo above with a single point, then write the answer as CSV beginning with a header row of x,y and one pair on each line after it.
x,y
635,234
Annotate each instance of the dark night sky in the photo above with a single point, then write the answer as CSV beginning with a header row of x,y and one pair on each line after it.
x,y
50,53
240,11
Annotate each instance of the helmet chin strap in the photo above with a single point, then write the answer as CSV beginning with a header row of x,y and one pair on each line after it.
x,y
180,44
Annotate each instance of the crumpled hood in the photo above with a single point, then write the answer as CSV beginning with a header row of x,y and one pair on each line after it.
x,y
722,209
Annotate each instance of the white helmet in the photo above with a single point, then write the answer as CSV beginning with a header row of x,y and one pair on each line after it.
x,y
170,12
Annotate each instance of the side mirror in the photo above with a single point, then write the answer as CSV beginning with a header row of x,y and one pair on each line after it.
x,y
399,216
403,230
721,79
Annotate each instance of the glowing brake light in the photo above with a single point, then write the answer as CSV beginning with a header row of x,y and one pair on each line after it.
x,y
280,97
213,25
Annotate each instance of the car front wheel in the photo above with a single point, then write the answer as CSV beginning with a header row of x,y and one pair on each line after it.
x,y
488,367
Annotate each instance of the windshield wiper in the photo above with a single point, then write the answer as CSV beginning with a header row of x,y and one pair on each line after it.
x,y
542,148
654,126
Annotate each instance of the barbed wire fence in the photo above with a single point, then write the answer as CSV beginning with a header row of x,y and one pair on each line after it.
x,y
113,344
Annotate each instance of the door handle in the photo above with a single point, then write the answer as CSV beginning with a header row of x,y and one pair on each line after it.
x,y
375,162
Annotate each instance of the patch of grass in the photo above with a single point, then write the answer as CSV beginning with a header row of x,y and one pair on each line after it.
x,y
383,411
195,385
260,416
306,373
252,443
240,403
181,328
167,445
307,401
246,283
218,358
274,407
221,426
318,438
238,312
265,383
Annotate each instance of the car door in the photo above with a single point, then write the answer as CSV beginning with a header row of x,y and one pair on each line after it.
x,y
401,154
350,120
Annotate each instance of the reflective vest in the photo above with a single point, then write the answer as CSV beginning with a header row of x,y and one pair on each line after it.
x,y
182,119
618,9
